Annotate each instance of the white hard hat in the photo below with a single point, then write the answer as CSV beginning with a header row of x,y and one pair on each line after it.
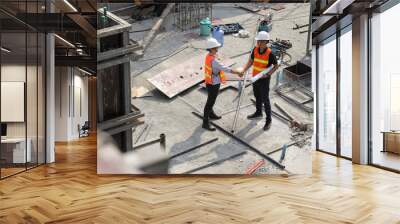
x,y
262,35
212,43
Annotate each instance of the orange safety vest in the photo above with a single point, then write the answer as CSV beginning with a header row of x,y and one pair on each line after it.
x,y
208,70
260,61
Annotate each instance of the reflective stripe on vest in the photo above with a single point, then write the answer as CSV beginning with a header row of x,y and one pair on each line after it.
x,y
208,70
260,61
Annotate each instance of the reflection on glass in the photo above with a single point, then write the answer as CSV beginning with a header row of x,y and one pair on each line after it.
x,y
31,97
327,96
346,94
14,145
41,99
385,92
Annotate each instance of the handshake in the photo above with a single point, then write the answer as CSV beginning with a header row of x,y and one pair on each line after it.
x,y
238,71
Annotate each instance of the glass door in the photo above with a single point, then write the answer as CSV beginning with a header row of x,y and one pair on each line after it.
x,y
346,92
327,95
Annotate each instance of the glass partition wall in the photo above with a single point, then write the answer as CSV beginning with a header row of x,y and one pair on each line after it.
x,y
385,89
327,95
334,94
22,77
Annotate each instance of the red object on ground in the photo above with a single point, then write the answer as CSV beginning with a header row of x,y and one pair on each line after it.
x,y
252,168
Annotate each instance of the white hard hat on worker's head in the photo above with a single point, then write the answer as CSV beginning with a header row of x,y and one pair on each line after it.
x,y
212,43
262,35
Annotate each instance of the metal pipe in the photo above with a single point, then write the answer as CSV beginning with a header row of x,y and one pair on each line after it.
x,y
232,110
193,148
161,139
141,133
215,163
277,115
291,118
162,142
252,148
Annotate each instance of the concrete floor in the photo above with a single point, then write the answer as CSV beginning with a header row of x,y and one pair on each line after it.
x,y
183,130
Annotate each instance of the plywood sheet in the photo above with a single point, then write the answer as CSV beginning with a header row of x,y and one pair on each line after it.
x,y
181,77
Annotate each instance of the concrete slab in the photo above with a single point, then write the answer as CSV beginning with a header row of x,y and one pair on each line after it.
x,y
183,130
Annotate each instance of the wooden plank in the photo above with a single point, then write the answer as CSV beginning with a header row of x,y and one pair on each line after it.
x,y
177,79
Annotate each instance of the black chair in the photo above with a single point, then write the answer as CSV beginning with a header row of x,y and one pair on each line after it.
x,y
84,130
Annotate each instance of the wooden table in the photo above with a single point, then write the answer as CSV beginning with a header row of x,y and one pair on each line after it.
x,y
391,141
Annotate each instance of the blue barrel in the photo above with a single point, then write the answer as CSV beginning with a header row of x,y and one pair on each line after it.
x,y
205,27
218,34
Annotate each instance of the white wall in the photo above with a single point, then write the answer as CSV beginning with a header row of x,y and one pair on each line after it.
x,y
71,87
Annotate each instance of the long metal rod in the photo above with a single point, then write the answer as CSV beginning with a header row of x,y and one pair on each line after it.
x,y
232,110
193,148
252,148
238,104
294,102
276,114
216,162
241,91
141,133
161,139
284,112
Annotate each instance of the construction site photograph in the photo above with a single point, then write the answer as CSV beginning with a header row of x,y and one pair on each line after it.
x,y
204,88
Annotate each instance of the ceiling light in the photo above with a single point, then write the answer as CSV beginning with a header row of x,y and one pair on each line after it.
x,y
65,41
71,6
86,72
5,50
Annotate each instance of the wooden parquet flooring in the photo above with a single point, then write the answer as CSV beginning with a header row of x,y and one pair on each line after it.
x,y
69,191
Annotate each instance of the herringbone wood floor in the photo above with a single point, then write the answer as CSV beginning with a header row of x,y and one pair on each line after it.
x,y
69,191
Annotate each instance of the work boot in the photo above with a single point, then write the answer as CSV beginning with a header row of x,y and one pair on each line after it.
x,y
267,125
213,116
207,126
256,115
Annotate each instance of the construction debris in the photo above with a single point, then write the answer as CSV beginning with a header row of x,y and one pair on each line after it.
x,y
252,148
150,36
255,166
297,26
229,28
294,123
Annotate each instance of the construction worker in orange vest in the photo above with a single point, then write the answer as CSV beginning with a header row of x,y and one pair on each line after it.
x,y
214,75
262,58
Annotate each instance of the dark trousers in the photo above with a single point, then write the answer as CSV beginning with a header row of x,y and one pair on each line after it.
x,y
261,92
211,98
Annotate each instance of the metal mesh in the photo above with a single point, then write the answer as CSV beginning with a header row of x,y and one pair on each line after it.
x,y
189,15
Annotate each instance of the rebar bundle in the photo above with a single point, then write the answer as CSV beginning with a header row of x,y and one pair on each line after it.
x,y
189,15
